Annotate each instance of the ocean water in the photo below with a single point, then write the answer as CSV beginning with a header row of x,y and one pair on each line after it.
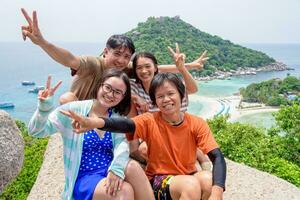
x,y
286,53
26,61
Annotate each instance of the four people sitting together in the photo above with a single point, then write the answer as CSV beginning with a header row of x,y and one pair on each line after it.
x,y
108,122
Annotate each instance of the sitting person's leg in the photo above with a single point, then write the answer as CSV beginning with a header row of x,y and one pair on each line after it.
x,y
184,187
67,97
205,180
137,178
126,192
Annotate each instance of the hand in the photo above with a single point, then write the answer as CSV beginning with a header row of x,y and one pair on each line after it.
x,y
179,58
32,29
201,61
81,124
113,183
140,104
216,193
44,94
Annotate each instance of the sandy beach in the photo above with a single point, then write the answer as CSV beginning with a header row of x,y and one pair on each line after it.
x,y
227,105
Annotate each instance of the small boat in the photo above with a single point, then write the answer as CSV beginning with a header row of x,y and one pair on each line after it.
x,y
36,89
6,105
28,83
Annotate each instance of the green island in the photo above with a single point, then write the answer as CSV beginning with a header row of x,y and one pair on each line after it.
x,y
226,58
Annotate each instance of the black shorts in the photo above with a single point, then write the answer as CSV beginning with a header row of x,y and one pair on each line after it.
x,y
161,187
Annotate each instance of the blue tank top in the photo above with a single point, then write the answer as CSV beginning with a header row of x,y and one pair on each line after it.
x,y
97,153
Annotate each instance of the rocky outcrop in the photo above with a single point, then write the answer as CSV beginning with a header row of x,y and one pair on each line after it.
x,y
11,149
276,66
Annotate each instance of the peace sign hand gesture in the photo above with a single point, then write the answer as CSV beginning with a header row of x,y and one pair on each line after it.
x,y
179,58
32,29
201,60
44,94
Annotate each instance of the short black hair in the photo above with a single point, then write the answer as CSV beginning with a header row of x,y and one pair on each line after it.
x,y
160,78
116,41
143,55
123,107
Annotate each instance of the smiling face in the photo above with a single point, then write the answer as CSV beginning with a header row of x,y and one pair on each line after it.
x,y
145,69
118,57
111,92
168,99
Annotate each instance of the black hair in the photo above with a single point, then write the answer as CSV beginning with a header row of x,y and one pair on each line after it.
x,y
123,107
160,78
116,41
143,55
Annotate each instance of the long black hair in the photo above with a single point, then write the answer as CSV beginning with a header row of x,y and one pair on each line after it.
x,y
123,107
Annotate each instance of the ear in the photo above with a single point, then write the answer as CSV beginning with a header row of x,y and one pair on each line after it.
x,y
105,51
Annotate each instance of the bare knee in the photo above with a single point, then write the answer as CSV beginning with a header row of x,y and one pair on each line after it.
x,y
185,187
132,167
67,97
205,179
126,192
192,190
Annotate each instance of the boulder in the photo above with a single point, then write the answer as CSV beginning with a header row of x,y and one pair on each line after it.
x,y
11,148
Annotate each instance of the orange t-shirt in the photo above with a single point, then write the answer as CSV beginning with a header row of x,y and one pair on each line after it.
x,y
172,149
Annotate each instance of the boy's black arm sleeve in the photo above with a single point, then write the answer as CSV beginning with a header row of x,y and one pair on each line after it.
x,y
219,167
118,124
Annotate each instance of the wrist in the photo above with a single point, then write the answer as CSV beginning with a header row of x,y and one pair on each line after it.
x,y
217,190
44,43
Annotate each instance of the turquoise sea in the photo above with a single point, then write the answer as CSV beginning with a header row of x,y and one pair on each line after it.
x,y
25,61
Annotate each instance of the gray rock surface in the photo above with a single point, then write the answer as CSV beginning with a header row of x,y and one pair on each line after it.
x,y
243,182
11,149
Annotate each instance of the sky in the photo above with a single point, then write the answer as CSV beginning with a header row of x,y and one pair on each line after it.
x,y
241,21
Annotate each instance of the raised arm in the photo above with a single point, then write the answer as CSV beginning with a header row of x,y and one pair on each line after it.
x,y
58,54
196,64
179,58
43,120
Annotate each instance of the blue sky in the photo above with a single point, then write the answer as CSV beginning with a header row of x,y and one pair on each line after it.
x,y
241,21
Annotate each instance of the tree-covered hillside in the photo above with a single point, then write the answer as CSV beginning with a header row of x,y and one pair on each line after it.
x,y
274,92
156,34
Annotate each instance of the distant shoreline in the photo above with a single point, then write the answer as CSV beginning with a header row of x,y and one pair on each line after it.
x,y
276,66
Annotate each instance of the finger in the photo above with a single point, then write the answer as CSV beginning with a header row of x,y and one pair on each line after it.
x,y
116,187
120,184
64,112
203,54
28,19
75,116
23,36
107,186
27,34
56,86
48,83
27,28
177,47
171,51
35,22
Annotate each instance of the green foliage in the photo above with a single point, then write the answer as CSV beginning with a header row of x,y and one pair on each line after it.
x,y
34,150
273,92
288,121
156,34
252,146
